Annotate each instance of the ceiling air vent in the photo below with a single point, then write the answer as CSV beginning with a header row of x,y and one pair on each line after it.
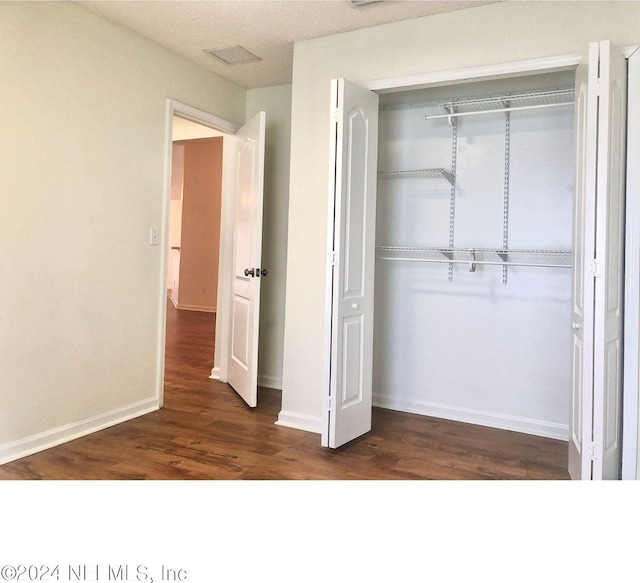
x,y
233,55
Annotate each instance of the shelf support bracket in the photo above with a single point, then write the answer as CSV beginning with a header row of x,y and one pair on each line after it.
x,y
448,254
450,113
450,176
472,263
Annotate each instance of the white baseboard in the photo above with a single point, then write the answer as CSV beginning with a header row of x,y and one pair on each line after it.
x,y
215,373
298,421
195,308
47,439
270,382
509,422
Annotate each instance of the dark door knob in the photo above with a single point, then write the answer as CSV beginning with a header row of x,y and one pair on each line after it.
x,y
255,272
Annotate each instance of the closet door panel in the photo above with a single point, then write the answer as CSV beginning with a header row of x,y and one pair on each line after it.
x,y
631,381
583,254
352,216
594,447
610,255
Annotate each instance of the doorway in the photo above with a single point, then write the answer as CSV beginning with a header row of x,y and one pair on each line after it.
x,y
183,123
194,216
193,249
237,292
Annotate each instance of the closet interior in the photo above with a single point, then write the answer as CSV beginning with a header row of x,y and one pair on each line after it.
x,y
473,252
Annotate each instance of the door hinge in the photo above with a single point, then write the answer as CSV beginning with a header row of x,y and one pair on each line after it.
x,y
336,115
592,451
332,257
598,85
596,268
329,403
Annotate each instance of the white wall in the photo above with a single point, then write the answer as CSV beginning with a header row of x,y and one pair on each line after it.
x,y
499,33
276,102
82,154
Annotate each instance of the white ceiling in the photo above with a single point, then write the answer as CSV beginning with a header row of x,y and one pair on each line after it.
x,y
267,28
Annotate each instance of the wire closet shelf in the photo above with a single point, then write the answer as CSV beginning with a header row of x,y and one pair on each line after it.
x,y
506,103
420,173
478,256
472,257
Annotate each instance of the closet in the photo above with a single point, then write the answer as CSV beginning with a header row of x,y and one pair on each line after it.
x,y
472,317
475,252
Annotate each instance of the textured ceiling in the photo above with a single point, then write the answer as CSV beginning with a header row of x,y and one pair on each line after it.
x,y
267,28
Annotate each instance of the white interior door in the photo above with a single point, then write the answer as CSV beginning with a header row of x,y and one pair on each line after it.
x,y
247,270
595,428
352,216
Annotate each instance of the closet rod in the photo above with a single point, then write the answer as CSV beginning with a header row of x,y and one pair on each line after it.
x,y
503,109
472,262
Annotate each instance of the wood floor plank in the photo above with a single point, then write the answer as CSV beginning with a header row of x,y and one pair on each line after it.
x,y
206,432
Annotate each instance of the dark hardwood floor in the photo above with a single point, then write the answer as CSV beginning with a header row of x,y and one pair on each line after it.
x,y
206,432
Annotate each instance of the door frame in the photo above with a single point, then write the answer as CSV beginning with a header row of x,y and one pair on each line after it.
x,y
179,109
631,321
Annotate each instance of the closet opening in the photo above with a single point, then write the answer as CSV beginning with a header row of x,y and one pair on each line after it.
x,y
473,278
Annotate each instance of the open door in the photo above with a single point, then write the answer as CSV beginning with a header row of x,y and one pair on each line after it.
x,y
244,155
352,216
595,424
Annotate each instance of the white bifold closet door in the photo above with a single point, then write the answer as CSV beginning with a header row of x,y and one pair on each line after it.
x,y
595,431
352,218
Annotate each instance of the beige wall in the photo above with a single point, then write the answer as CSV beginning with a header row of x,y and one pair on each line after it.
x,y
276,102
498,33
82,156
200,239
